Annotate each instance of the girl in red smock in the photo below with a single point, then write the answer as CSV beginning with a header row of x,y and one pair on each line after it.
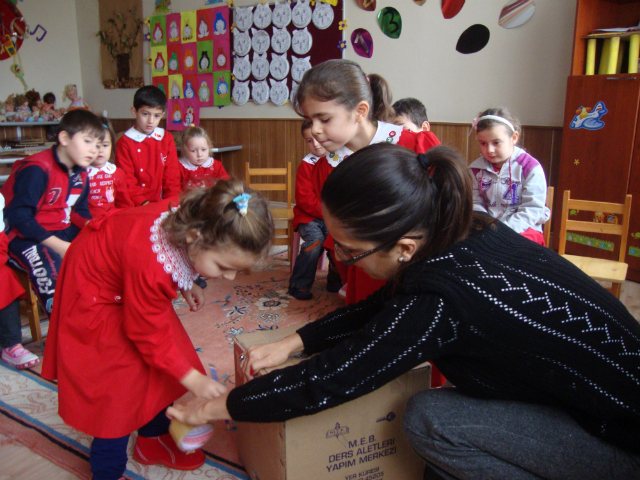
x,y
197,167
116,346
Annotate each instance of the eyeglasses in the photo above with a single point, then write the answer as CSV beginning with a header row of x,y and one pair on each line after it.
x,y
350,260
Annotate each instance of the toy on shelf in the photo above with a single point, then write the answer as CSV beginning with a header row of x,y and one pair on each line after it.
x,y
23,111
49,108
77,103
8,109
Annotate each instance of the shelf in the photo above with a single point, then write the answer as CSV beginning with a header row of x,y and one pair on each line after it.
x,y
27,124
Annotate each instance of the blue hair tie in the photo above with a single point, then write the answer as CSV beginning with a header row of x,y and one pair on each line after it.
x,y
242,203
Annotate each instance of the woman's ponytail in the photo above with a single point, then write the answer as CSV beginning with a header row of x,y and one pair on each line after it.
x,y
381,108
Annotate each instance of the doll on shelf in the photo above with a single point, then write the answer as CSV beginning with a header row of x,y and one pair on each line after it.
x,y
49,108
8,109
35,105
23,111
77,103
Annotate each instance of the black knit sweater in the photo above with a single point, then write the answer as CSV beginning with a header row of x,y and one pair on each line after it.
x,y
500,316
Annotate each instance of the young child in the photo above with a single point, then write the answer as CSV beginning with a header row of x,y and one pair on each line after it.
x,y
46,201
509,183
307,219
349,110
146,154
411,114
13,352
115,343
107,185
197,167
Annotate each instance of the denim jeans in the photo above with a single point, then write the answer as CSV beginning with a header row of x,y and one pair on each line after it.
x,y
462,437
314,234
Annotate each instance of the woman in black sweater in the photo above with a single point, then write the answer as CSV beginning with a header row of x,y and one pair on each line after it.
x,y
545,362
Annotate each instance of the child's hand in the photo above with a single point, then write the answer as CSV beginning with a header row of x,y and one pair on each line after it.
x,y
57,245
194,297
202,386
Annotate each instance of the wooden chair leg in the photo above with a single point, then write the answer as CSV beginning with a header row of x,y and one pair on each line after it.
x,y
31,307
616,288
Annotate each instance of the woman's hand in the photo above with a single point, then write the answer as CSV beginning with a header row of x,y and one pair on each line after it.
x,y
270,354
202,386
194,297
198,411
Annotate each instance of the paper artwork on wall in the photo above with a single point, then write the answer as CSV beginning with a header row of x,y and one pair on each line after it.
x,y
390,22
368,5
280,40
420,2
260,66
188,22
243,18
294,91
516,13
281,16
241,42
173,28
182,113
162,6
450,8
260,41
322,15
301,41
279,67
240,92
158,29
298,67
279,93
362,42
473,39
301,14
205,90
222,90
242,68
262,16
260,92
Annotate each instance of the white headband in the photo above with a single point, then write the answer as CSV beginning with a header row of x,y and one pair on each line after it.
x,y
492,117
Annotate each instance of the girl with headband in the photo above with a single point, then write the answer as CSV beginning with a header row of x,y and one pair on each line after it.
x,y
509,183
115,344
544,360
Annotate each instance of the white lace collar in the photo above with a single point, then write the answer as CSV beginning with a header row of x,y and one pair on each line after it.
x,y
189,166
386,132
134,134
174,260
109,168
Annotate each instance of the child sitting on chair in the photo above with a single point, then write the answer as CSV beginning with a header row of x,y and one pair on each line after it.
x,y
411,114
197,167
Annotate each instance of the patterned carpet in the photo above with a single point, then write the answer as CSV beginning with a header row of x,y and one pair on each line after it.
x,y
258,301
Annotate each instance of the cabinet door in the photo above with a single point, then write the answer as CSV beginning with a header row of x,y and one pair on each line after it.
x,y
597,144
633,243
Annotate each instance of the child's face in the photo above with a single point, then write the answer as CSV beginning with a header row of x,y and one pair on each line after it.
x,y
312,144
406,122
104,151
147,118
332,125
496,145
80,150
197,151
221,262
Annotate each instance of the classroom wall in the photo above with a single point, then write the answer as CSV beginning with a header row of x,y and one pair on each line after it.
x,y
54,62
523,68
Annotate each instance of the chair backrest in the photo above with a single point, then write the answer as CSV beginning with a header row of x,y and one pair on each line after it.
x,y
621,229
285,186
546,230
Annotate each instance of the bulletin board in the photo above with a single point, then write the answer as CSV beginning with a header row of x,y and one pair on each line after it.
x,y
191,62
268,63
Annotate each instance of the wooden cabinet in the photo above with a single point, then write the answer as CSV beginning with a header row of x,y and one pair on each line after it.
x,y
602,163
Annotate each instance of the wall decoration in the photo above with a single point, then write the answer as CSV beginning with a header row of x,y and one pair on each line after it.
x,y
634,251
260,41
173,28
589,118
260,92
241,42
158,29
262,16
222,82
298,67
205,54
450,8
240,92
301,14
516,13
473,39
260,66
368,5
175,87
213,2
281,16
174,58
158,60
590,242
242,68
120,37
162,7
162,83
205,90
301,41
280,40
390,22
294,91
279,93
203,25
188,22
362,42
322,16
220,22
279,67
243,18
420,2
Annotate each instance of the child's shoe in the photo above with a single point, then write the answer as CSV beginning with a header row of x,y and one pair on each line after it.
x,y
300,294
164,451
19,357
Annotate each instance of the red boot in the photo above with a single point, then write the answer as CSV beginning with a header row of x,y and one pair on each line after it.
x,y
164,451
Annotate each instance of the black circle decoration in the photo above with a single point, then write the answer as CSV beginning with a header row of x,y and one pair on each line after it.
x,y
473,39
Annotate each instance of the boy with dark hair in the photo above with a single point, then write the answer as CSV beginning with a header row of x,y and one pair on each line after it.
x,y
146,153
411,114
46,201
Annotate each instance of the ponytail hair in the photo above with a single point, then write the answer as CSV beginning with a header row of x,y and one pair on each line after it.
x,y
213,213
344,82
429,194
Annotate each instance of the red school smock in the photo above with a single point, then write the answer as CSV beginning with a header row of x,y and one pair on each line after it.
x,y
115,343
10,286
205,175
107,190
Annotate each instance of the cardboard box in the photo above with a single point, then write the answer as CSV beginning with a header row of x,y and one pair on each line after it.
x,y
359,440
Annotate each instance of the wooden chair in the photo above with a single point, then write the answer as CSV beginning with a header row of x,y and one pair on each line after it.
x,y
546,230
596,268
29,307
283,235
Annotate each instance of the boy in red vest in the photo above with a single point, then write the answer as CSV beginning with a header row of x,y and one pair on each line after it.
x,y
146,153
46,201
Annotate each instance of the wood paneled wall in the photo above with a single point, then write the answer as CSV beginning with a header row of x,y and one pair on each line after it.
x,y
273,142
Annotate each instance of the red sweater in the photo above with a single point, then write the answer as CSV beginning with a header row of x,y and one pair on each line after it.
x,y
107,190
150,165
308,189
206,175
